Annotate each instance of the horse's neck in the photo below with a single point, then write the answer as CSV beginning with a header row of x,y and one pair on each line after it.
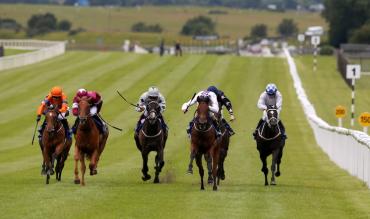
x,y
151,129
268,131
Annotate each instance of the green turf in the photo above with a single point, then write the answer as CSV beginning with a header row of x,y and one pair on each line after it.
x,y
326,89
9,52
311,186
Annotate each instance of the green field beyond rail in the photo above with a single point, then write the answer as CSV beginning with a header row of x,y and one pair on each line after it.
x,y
310,186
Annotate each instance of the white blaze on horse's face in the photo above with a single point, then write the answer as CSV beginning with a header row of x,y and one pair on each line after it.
x,y
152,115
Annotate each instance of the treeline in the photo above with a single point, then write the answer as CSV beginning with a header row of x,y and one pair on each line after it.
x,y
284,4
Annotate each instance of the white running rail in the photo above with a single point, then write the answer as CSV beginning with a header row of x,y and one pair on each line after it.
x,y
349,149
44,50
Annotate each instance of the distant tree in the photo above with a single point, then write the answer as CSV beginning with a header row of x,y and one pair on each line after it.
x,y
41,23
287,28
64,25
200,25
344,17
361,35
142,27
259,31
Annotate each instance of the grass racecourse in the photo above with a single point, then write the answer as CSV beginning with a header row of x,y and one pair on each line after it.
x,y
310,186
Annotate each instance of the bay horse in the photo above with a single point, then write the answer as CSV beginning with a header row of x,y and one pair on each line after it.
x,y
152,137
204,140
270,140
55,145
89,142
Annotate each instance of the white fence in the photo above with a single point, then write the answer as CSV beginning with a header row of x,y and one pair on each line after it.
x,y
44,50
349,149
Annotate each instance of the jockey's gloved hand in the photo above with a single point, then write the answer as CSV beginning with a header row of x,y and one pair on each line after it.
x,y
38,118
232,117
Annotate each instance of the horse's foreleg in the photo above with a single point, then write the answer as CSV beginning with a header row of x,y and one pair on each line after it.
x,y
198,160
83,169
264,169
208,159
275,155
76,158
159,163
144,170
215,158
190,166
93,162
277,174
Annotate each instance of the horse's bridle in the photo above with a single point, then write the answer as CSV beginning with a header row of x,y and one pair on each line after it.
x,y
272,121
56,123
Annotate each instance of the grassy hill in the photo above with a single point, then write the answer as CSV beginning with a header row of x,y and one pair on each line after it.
x,y
109,22
311,186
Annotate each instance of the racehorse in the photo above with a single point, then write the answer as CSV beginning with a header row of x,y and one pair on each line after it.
x,y
270,140
204,140
152,137
224,147
55,146
89,142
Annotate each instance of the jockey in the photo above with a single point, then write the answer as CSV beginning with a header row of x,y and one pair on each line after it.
x,y
58,99
152,94
271,96
96,105
213,107
223,101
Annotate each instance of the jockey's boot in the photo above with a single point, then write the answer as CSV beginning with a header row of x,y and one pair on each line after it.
x,y
217,127
282,127
99,123
66,129
255,131
41,130
188,130
228,127
75,126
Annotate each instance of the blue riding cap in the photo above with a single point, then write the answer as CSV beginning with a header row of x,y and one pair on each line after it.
x,y
212,89
271,89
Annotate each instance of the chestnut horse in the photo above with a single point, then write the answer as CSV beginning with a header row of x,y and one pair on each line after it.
x,y
152,137
203,140
89,142
55,146
270,141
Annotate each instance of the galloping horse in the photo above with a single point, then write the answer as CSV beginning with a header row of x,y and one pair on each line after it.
x,y
270,141
203,139
152,137
55,146
89,142
224,147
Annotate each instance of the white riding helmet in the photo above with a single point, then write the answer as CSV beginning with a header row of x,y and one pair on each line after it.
x,y
153,91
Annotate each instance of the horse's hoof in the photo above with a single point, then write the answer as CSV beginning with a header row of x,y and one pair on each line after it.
x,y
222,177
273,183
95,172
210,180
43,172
83,184
277,174
147,177
77,181
189,171
156,180
266,183
52,172
214,188
202,188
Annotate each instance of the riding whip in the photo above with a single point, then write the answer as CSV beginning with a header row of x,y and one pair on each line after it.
x,y
34,132
187,107
125,99
119,129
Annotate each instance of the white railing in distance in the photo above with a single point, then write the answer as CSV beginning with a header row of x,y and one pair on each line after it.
x,y
349,149
44,50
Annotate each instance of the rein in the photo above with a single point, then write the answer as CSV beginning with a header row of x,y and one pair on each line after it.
x,y
202,130
151,136
268,139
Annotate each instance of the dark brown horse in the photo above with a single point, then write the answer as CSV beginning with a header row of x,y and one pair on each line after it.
x,y
203,140
152,137
270,141
55,146
224,147
89,142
